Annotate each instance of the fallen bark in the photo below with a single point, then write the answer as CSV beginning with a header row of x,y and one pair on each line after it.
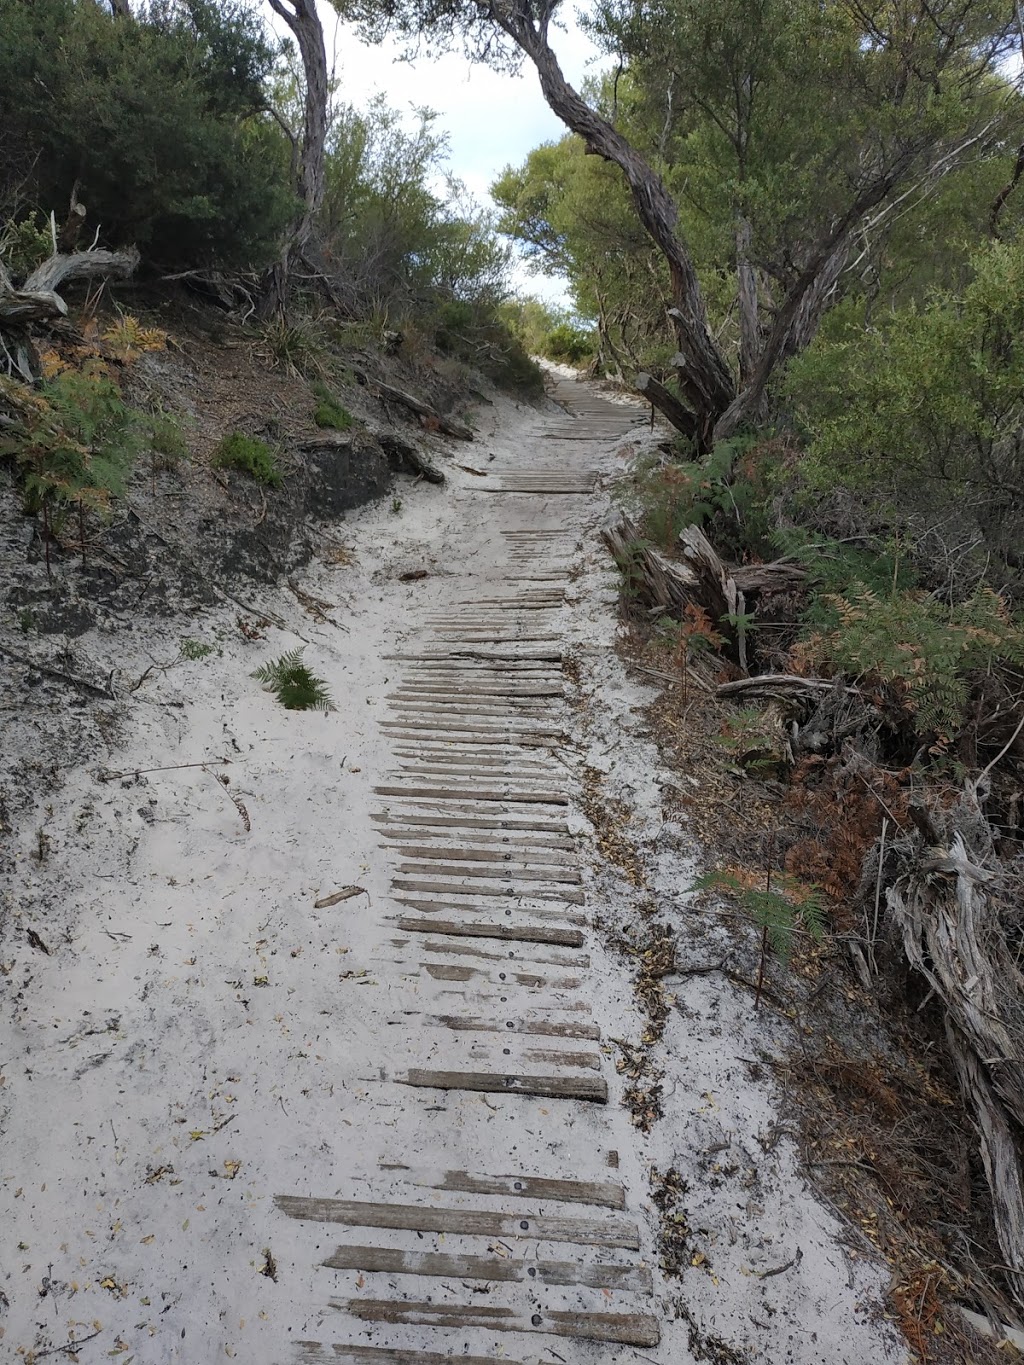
x,y
388,394
780,687
946,909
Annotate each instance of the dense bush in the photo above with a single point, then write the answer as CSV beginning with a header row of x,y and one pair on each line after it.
x,y
157,124
916,425
572,345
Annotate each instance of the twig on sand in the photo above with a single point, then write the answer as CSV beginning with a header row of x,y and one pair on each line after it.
x,y
780,1269
108,775
69,1348
106,690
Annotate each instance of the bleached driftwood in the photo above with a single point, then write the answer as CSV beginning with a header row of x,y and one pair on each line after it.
x,y
946,909
38,300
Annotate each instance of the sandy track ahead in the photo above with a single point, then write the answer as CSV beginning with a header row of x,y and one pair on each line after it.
x,y
245,1119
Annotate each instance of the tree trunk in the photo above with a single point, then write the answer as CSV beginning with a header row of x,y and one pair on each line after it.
x,y
706,381
667,404
304,22
120,9
750,322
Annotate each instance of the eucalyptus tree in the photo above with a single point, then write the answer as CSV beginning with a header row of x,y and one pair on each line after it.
x,y
814,120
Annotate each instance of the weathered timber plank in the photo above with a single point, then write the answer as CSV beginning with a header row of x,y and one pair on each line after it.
x,y
509,933
589,1088
316,1353
540,843
496,871
361,1213
629,1329
510,956
448,906
547,1028
450,971
474,821
551,1056
401,883
538,798
631,1278
601,1192
499,854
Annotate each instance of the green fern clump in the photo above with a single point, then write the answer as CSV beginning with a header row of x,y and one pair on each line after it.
x,y
74,440
250,455
927,652
292,683
329,412
778,909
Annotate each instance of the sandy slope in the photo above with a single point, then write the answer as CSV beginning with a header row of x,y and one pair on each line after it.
x,y
200,1036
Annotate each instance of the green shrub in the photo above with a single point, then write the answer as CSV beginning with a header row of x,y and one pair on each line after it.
x,y
728,494
250,455
292,683
329,411
160,123
569,344
295,346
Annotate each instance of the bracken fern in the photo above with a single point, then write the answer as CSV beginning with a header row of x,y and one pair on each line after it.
x,y
292,683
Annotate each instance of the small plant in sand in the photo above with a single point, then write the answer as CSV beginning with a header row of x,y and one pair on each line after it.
x,y
777,910
251,455
293,684
194,649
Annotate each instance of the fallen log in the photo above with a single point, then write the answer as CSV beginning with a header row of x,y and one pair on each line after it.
x,y
387,393
780,687
37,299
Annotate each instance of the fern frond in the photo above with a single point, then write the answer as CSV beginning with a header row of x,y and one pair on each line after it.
x,y
293,684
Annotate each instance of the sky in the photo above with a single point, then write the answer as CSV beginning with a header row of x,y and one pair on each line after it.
x,y
492,120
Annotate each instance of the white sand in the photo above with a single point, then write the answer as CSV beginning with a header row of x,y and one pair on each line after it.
x,y
201,1037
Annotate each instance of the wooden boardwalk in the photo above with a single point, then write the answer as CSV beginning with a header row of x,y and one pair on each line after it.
x,y
505,1225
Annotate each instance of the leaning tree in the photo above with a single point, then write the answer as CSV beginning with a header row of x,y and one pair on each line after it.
x,y
905,91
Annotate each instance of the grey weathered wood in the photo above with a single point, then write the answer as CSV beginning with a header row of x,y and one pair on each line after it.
x,y
317,1353
390,1261
499,854
512,933
450,906
525,843
589,1088
547,1028
496,870
667,404
511,956
439,793
630,1329
602,1192
567,897
361,1213
475,821
450,971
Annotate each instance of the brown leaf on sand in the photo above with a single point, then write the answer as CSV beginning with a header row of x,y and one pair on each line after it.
x,y
346,893
412,575
480,473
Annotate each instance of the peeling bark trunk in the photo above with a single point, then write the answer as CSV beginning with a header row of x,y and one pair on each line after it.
x,y
667,404
706,381
304,22
750,322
